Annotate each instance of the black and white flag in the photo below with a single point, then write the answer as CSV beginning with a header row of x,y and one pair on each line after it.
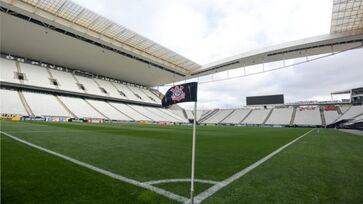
x,y
180,93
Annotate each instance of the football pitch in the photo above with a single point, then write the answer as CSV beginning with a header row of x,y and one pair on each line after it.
x,y
128,163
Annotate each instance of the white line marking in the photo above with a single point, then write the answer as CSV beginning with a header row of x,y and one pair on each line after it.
x,y
104,172
180,180
212,190
44,131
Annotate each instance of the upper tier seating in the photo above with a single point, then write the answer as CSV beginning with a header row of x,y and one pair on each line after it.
x,y
307,117
218,116
330,116
91,87
123,89
66,81
257,116
141,94
236,117
152,95
11,103
109,111
8,70
112,91
45,104
36,76
39,76
352,112
280,116
80,107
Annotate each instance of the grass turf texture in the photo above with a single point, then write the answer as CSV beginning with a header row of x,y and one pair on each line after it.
x,y
32,176
150,152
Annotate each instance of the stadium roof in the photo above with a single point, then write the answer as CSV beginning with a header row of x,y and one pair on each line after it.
x,y
347,15
63,33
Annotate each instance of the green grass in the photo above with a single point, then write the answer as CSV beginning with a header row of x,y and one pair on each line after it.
x,y
150,152
320,168
32,176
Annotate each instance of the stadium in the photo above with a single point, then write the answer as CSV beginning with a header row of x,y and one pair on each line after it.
x,y
82,119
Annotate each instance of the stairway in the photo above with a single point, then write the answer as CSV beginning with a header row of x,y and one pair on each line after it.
x,y
293,117
208,115
244,118
323,121
227,116
119,111
96,109
65,107
25,104
339,110
268,116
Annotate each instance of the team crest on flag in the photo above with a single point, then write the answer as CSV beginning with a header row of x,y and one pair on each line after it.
x,y
180,93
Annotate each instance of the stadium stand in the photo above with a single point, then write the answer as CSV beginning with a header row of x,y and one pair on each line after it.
x,y
179,113
109,88
173,117
140,94
90,85
35,76
331,116
8,71
352,112
190,114
11,103
66,81
307,117
236,117
109,111
257,117
218,116
80,107
126,92
280,116
129,112
45,104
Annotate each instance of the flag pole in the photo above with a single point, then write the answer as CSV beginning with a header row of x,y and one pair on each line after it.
x,y
193,154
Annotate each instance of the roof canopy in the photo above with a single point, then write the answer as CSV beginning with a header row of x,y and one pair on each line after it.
x,y
63,33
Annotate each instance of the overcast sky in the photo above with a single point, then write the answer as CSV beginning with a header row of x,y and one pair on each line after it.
x,y
208,30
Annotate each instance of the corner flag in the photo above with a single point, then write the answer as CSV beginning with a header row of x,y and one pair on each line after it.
x,y
185,93
180,93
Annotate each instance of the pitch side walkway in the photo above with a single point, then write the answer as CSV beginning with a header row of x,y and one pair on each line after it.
x,y
356,132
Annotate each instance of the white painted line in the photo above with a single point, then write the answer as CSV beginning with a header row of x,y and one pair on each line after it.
x,y
180,180
44,131
104,172
212,190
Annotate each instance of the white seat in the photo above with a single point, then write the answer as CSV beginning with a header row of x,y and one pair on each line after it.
x,y
307,117
280,116
36,76
219,116
257,117
45,104
11,103
236,117
80,108
8,71
108,110
130,112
